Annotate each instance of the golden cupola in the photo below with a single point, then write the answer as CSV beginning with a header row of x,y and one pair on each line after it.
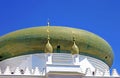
x,y
75,49
48,47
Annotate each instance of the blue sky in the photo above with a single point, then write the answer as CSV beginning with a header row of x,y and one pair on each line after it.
x,y
101,17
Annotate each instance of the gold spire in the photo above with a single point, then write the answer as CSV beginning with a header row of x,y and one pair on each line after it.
x,y
75,49
48,34
48,23
73,36
48,26
48,47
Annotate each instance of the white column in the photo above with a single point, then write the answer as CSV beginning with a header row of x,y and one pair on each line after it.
x,y
76,59
48,58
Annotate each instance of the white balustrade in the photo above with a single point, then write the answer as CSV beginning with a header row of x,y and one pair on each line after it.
x,y
36,71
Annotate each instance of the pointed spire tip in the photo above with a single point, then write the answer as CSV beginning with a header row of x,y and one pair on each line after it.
x,y
48,23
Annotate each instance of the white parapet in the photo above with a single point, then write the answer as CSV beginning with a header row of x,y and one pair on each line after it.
x,y
61,68
106,73
88,72
37,71
27,71
115,73
17,71
7,71
56,62
98,73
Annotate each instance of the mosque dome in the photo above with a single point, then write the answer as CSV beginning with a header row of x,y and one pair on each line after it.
x,y
33,40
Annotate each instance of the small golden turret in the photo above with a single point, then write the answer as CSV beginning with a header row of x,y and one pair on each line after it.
x,y
75,49
48,47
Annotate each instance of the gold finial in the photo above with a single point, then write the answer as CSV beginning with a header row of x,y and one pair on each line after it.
x,y
75,49
48,25
48,47
48,34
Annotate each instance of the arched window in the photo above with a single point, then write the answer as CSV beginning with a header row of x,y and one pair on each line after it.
x,y
106,57
58,48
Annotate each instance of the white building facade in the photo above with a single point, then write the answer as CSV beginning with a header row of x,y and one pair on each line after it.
x,y
55,65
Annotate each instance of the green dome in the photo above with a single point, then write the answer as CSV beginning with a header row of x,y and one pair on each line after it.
x,y
33,40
